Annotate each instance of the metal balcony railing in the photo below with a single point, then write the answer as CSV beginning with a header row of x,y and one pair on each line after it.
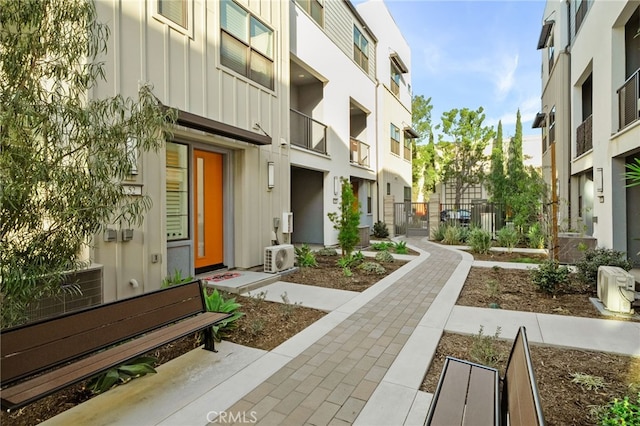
x,y
584,137
308,133
629,101
359,153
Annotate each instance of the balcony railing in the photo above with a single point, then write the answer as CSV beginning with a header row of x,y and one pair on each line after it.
x,y
629,101
359,153
584,137
308,133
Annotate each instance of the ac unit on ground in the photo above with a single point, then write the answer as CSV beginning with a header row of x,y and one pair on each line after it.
x,y
278,258
616,289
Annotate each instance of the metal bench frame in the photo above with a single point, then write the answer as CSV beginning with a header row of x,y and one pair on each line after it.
x,y
471,394
43,357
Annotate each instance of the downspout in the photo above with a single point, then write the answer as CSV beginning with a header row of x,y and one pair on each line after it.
x,y
567,51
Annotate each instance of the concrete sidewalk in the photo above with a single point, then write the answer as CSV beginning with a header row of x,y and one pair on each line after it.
x,y
362,363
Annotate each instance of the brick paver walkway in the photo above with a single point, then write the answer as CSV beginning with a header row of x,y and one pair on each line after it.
x,y
331,381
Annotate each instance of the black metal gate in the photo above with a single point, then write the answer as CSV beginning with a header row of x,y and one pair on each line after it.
x,y
411,219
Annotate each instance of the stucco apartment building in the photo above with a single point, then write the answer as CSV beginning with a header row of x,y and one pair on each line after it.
x,y
590,117
276,100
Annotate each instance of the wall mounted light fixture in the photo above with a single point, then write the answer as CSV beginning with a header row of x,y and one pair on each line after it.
x,y
271,175
599,180
336,185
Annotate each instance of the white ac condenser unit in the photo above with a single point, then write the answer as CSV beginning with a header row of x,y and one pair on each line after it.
x,y
616,289
279,258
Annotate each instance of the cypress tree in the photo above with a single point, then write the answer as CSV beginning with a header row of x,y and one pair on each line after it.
x,y
497,176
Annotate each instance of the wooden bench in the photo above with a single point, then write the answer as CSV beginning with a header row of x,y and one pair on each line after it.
x,y
473,394
40,358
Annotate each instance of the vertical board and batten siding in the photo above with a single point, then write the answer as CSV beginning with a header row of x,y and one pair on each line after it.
x,y
338,25
184,69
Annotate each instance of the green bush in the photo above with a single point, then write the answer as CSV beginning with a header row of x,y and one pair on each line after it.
x,y
594,258
384,256
400,247
175,279
327,251
380,230
216,303
508,237
353,260
438,233
452,235
381,246
121,374
372,268
305,257
484,349
480,241
622,412
549,276
535,237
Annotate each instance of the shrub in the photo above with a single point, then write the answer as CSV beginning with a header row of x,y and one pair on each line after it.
x,y
287,308
121,374
621,412
372,268
480,240
587,381
384,256
216,303
508,237
401,247
594,258
549,276
381,246
535,237
175,279
327,251
380,230
452,235
305,257
353,260
438,233
484,349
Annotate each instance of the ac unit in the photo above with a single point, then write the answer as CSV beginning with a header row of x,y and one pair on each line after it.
x,y
278,258
616,289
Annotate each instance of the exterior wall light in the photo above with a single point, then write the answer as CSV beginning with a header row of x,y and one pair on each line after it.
x,y
271,175
599,181
336,185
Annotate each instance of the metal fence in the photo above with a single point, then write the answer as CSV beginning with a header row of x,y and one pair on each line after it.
x,y
411,219
480,214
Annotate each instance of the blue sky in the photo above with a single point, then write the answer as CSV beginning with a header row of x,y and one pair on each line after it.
x,y
475,53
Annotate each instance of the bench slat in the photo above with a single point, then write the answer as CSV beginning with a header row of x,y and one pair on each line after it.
x,y
71,336
453,393
47,383
481,397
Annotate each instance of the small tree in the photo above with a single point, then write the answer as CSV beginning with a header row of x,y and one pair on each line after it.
x,y
63,157
496,179
463,159
346,221
424,157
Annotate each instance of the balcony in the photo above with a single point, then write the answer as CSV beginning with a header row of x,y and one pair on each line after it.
x,y
629,101
359,153
584,137
308,133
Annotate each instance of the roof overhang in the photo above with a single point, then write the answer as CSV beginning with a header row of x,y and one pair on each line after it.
x,y
398,61
208,125
538,122
544,34
410,133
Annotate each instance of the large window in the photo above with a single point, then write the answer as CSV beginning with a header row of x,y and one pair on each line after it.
x,y
177,189
174,10
395,140
314,8
246,44
407,148
552,50
395,79
360,49
552,125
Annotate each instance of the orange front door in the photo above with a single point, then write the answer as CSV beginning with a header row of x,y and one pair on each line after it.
x,y
207,211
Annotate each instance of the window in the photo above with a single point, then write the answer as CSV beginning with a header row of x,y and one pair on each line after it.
x,y
314,8
388,188
174,10
177,192
395,140
395,79
407,148
360,49
369,205
407,193
551,53
246,44
552,125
